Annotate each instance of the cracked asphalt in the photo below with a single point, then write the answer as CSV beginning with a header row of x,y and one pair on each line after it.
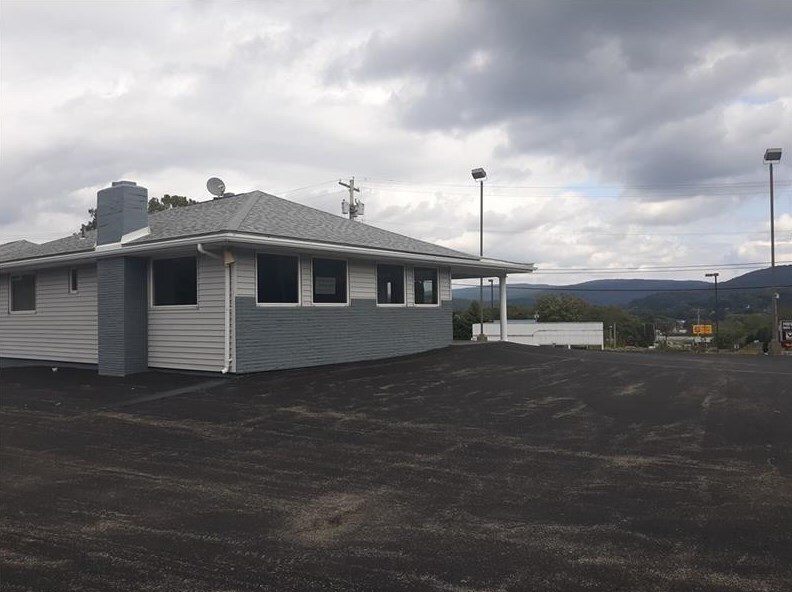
x,y
489,467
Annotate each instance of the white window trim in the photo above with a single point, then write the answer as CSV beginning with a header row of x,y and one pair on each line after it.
x,y
348,287
404,288
69,279
299,281
437,286
11,295
174,307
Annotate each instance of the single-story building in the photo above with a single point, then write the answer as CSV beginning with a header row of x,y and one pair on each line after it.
x,y
530,332
242,283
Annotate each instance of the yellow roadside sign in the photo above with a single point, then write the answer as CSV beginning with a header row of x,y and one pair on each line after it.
x,y
702,329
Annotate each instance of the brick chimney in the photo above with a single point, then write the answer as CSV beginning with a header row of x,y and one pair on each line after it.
x,y
120,209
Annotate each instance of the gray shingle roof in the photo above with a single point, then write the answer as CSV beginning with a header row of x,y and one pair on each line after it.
x,y
254,213
16,248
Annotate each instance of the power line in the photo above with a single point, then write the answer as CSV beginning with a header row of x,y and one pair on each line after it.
x,y
692,266
663,290
748,184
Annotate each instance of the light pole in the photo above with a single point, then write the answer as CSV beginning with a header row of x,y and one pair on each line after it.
x,y
715,275
773,156
479,175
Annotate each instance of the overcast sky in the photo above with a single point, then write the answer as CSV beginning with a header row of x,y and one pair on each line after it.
x,y
616,134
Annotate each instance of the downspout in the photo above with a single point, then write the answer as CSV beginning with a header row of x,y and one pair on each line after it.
x,y
203,251
226,305
228,262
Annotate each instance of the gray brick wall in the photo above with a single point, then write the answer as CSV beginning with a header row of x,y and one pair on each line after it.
x,y
120,209
279,338
123,311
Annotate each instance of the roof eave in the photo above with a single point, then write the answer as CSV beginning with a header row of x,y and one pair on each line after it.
x,y
473,266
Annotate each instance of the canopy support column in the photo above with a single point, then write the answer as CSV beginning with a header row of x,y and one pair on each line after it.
x,y
503,310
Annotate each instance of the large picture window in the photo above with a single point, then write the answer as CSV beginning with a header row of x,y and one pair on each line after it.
x,y
329,281
425,282
23,293
390,284
278,279
175,281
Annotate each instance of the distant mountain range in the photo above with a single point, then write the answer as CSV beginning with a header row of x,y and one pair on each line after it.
x,y
641,294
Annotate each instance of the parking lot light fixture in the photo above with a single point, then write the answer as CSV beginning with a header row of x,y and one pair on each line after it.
x,y
773,156
479,175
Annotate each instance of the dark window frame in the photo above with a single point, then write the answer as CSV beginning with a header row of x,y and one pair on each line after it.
x,y
153,282
12,300
435,291
322,302
402,285
298,280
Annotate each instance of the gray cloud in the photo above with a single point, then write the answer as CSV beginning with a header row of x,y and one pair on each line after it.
x,y
635,90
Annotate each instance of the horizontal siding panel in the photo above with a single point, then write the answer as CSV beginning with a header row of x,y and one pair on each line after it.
x,y
168,346
307,290
445,283
246,272
362,280
192,338
64,326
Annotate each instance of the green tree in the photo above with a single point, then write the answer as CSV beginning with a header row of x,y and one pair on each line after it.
x,y
463,321
553,308
155,204
168,202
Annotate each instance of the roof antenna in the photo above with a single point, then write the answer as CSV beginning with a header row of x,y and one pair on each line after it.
x,y
216,187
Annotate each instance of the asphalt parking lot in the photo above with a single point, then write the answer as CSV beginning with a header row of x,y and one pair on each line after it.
x,y
492,467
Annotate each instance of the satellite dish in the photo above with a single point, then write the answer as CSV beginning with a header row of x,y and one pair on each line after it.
x,y
215,186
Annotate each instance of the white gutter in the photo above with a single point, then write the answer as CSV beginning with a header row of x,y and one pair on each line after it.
x,y
116,249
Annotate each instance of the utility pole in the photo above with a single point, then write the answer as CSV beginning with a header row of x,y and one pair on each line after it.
x,y
354,207
715,275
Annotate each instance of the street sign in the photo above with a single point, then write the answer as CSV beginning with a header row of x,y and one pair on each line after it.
x,y
702,329
786,334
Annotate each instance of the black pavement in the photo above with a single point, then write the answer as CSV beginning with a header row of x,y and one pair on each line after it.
x,y
497,467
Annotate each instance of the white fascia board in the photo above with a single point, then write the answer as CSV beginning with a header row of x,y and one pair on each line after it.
x,y
49,261
227,238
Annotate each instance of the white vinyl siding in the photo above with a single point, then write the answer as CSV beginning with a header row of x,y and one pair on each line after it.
x,y
191,338
409,293
444,278
362,280
307,284
246,272
64,325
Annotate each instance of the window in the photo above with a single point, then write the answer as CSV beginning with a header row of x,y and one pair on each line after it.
x,y
390,284
74,281
278,279
23,293
175,281
425,281
329,281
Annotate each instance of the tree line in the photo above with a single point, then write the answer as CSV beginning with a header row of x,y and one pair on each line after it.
x,y
633,327
155,204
